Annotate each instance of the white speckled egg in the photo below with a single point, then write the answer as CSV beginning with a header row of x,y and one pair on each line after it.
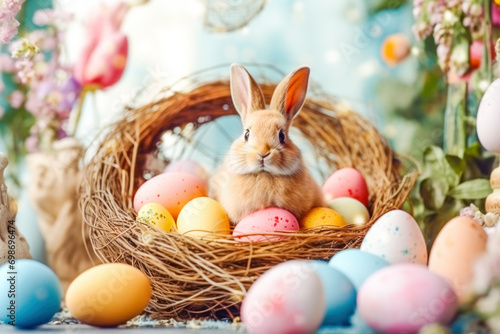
x,y
286,299
488,118
405,297
396,237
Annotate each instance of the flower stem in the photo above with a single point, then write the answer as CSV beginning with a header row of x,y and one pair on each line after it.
x,y
83,94
487,40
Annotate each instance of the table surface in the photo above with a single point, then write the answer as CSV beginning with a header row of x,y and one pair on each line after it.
x,y
83,329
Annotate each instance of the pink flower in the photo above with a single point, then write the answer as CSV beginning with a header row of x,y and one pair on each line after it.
x,y
44,17
8,30
6,63
16,99
8,12
105,52
495,14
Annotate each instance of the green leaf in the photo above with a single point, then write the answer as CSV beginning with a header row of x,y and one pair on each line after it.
x,y
473,189
433,192
434,221
457,164
437,166
473,150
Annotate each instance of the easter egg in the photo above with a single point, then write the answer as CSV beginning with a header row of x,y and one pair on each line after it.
x,y
346,182
488,118
396,237
322,217
201,217
108,295
158,216
458,245
353,211
395,49
170,190
405,297
357,265
265,221
340,294
287,298
30,293
187,166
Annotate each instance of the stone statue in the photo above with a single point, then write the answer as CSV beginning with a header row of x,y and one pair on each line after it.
x,y
10,238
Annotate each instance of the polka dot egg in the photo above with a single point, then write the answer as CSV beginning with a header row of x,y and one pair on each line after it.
x,y
170,190
158,216
396,237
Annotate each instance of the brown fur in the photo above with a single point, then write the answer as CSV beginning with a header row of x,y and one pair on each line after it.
x,y
247,182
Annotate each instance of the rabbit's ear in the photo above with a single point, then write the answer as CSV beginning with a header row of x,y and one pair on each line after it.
x,y
290,94
246,93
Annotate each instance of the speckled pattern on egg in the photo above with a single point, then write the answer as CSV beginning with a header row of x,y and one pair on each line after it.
x,y
396,237
171,190
265,221
286,299
346,182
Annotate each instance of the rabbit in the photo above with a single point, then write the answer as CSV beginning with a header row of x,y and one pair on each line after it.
x,y
263,167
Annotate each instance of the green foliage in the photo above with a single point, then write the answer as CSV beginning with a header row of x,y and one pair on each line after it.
x,y
447,184
380,5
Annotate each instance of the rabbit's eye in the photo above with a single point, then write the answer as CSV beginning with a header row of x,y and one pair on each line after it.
x,y
282,136
247,134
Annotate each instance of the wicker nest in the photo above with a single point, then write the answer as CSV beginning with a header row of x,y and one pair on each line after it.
x,y
198,278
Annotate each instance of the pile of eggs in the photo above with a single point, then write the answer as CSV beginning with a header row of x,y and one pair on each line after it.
x,y
176,200
389,285
106,295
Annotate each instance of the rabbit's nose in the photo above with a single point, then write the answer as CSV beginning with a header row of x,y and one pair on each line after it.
x,y
264,155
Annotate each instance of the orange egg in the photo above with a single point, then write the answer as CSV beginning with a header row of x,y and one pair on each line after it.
x,y
457,246
108,295
322,217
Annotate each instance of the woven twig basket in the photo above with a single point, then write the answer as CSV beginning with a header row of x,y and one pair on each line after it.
x,y
198,278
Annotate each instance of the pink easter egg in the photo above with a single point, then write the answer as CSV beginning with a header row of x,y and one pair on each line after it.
x,y
286,299
403,298
171,190
265,221
346,182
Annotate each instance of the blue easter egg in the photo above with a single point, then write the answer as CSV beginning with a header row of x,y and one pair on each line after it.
x,y
357,265
30,293
340,294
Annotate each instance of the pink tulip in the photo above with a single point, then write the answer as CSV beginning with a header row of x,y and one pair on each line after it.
x,y
105,52
476,51
495,13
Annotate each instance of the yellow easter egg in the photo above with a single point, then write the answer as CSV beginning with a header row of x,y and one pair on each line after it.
x,y
108,295
322,217
201,217
157,215
353,211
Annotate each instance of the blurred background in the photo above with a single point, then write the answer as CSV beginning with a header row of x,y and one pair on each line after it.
x,y
348,44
